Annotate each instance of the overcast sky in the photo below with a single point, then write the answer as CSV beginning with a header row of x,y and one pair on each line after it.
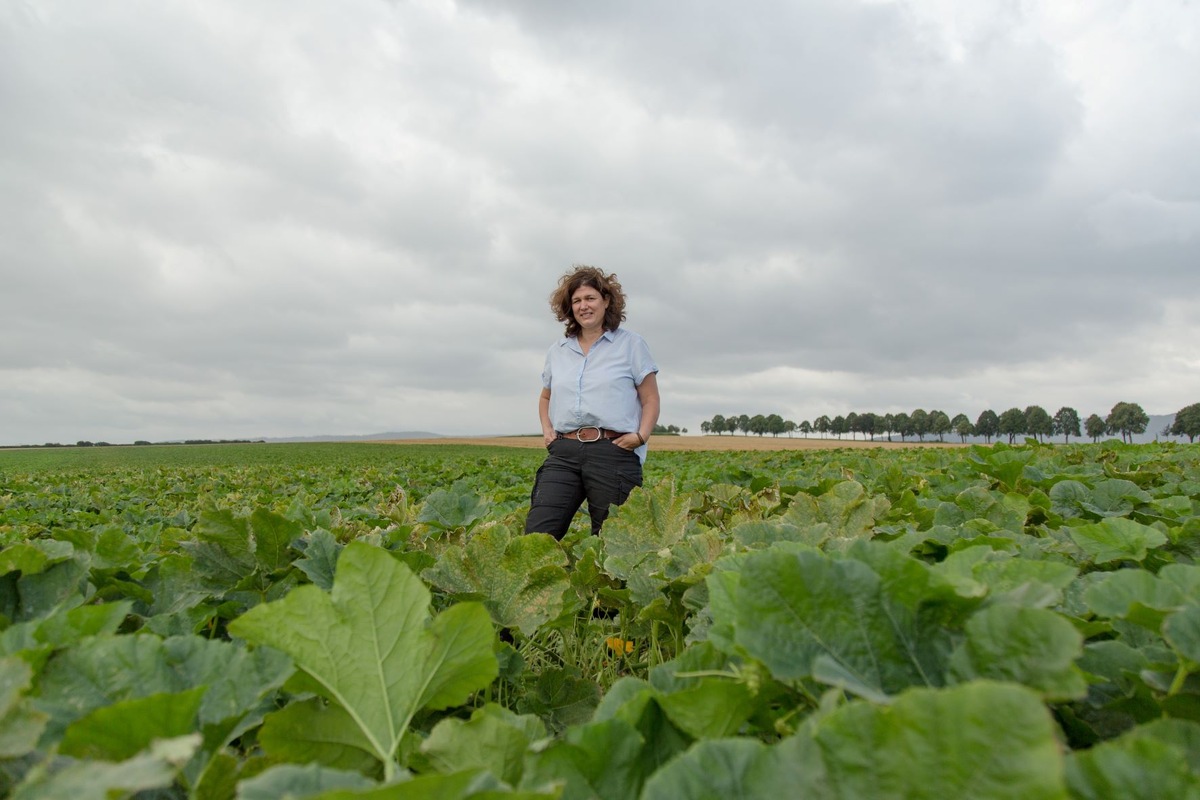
x,y
224,219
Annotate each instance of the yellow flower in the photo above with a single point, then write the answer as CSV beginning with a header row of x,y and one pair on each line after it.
x,y
619,645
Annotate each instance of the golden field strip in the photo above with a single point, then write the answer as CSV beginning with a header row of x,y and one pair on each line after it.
x,y
698,443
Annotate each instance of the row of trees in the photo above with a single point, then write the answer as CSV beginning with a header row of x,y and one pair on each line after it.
x,y
1125,419
140,443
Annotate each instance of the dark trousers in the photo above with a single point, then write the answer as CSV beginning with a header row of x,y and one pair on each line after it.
x,y
599,472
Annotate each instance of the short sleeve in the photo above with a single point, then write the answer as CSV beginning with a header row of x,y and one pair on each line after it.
x,y
546,373
641,362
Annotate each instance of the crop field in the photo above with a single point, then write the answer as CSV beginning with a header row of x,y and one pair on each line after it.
x,y
367,621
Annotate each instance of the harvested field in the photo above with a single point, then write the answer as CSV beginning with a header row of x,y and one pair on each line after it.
x,y
689,443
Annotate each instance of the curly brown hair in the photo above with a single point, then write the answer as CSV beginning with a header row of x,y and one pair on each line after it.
x,y
583,275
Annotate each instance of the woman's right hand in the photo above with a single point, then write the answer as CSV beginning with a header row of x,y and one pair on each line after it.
x,y
549,437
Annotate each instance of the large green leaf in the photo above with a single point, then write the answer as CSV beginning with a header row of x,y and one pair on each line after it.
x,y
742,768
1149,763
232,552
122,730
1184,576
698,698
465,785
1182,630
56,585
1007,577
1005,511
1115,662
494,739
1117,539
846,507
223,552
521,579
1032,646
979,740
1136,595
31,558
155,768
20,724
561,697
63,627
803,614
273,535
1068,497
111,547
639,535
1115,498
317,731
371,647
761,534
608,759
460,506
1004,464
321,553
294,782
102,671
175,585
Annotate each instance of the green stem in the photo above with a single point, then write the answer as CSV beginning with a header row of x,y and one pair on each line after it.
x,y
707,673
1180,676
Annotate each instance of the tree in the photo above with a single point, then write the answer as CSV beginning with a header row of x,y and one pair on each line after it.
x,y
1038,422
939,424
788,427
822,424
1095,427
1012,423
775,424
838,426
1127,419
852,423
743,424
868,423
1066,422
961,424
987,425
904,425
919,420
888,425
704,426
717,425
758,424
1187,422
806,428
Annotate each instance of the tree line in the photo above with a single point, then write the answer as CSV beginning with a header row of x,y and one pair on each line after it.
x,y
1125,419
138,443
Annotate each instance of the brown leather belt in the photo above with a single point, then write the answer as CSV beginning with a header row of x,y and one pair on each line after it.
x,y
590,434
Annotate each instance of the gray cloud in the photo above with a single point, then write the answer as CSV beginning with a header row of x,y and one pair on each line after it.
x,y
304,218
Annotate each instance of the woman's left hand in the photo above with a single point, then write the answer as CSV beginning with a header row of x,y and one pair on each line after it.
x,y
628,441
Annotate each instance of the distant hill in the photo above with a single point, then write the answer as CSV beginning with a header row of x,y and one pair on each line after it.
x,y
367,437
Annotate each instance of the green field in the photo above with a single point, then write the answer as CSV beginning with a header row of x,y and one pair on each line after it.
x,y
364,620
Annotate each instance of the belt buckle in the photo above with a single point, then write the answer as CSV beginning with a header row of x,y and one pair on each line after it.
x,y
579,433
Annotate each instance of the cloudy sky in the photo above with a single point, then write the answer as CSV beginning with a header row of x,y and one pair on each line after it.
x,y
222,219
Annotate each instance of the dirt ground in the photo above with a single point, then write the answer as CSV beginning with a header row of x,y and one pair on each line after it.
x,y
689,443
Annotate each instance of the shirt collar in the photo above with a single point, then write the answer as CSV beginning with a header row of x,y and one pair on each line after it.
x,y
610,335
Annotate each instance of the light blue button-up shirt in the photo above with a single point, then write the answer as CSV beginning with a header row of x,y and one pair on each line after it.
x,y
599,389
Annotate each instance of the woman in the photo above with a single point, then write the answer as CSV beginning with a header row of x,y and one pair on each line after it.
x,y
598,406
